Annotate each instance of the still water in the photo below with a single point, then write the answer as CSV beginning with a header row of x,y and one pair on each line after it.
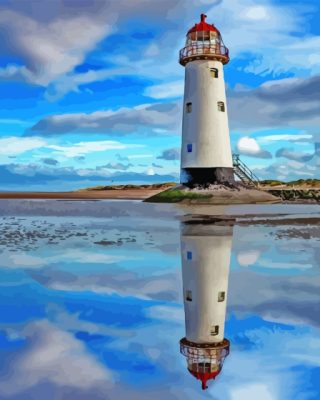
x,y
97,295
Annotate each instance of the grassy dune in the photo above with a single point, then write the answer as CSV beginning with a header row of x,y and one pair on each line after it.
x,y
310,183
176,195
154,186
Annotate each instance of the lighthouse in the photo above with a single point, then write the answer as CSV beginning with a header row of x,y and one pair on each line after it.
x,y
205,255
206,156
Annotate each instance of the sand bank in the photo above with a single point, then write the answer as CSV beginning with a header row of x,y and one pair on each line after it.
x,y
126,194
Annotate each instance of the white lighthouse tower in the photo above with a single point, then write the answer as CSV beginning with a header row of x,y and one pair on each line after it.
x,y
206,152
205,253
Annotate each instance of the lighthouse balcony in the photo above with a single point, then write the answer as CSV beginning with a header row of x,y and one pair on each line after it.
x,y
211,351
203,51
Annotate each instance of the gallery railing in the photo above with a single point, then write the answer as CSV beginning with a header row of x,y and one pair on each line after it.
x,y
204,50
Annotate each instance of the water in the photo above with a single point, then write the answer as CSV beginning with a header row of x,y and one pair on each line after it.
x,y
92,299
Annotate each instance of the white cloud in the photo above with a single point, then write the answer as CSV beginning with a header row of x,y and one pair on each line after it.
x,y
250,147
287,138
152,50
54,356
284,265
248,257
27,261
165,90
150,171
82,148
73,322
12,146
15,73
256,13
10,260
71,82
174,314
257,390
144,118
160,288
51,48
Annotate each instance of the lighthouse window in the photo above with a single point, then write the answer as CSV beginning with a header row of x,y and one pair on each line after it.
x,y
214,72
189,148
214,330
221,106
188,295
189,255
188,107
221,296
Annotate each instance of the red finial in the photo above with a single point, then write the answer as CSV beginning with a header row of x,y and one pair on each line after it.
x,y
204,384
204,377
203,17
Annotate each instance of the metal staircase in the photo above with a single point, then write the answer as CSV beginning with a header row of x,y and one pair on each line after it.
x,y
246,176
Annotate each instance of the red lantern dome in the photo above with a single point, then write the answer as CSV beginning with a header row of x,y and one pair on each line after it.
x,y
204,377
203,26
204,42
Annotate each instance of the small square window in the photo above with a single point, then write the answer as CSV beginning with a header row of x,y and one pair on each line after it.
x,y
221,106
214,72
214,331
189,255
189,148
188,295
188,107
221,296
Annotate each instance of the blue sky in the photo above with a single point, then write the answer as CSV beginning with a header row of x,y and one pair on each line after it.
x,y
91,91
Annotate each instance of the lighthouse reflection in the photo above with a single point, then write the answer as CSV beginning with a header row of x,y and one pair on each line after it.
x,y
205,256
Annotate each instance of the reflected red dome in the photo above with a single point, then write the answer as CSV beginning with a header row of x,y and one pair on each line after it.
x,y
204,377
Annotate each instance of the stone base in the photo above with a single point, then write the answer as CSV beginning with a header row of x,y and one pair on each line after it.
x,y
214,194
207,176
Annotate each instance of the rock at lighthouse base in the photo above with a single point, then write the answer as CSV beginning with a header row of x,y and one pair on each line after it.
x,y
214,194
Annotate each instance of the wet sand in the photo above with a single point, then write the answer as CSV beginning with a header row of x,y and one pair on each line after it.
x,y
127,194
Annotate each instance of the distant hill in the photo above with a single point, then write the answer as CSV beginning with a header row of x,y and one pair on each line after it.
x,y
310,183
154,186
300,183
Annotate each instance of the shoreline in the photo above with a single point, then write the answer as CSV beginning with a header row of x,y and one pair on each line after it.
x,y
111,194
127,194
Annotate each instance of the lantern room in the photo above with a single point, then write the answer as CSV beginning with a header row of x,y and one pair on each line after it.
x,y
204,42
205,360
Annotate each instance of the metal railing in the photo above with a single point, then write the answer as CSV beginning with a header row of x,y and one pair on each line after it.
x,y
208,351
242,169
201,49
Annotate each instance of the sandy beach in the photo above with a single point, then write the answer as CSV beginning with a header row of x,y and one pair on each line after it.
x,y
127,194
